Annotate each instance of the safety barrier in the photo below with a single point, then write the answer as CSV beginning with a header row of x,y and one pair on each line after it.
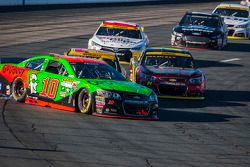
x,y
72,2
52,2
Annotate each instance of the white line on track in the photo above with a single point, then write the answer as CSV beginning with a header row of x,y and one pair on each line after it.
x,y
229,60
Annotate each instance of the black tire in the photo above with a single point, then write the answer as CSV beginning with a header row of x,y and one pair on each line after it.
x,y
85,101
19,92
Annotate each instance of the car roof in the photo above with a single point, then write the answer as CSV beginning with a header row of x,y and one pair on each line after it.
x,y
203,14
74,59
120,24
176,52
83,52
233,6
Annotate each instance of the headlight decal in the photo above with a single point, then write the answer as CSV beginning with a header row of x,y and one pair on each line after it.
x,y
242,26
153,97
195,81
108,94
147,77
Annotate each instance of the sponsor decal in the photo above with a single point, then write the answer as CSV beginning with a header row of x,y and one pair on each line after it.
x,y
149,83
33,83
63,94
67,84
99,110
100,103
100,99
10,69
111,102
196,33
143,112
172,80
7,90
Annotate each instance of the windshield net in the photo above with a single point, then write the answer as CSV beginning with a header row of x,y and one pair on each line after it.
x,y
169,61
96,71
232,12
198,20
105,31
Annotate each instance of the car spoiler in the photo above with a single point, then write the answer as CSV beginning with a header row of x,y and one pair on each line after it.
x,y
14,60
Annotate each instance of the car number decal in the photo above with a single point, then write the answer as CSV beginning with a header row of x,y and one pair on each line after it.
x,y
49,88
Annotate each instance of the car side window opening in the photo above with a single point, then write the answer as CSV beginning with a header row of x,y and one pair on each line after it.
x,y
56,67
35,64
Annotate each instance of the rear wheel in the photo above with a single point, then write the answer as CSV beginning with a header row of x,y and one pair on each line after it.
x,y
19,91
85,101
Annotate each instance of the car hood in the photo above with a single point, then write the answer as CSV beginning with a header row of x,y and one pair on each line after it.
x,y
120,86
235,20
195,30
174,71
118,42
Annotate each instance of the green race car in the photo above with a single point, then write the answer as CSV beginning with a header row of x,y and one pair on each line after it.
x,y
77,84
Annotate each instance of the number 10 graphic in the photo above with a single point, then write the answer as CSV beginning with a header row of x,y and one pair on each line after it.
x,y
49,88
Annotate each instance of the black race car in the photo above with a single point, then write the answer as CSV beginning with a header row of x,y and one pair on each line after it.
x,y
200,29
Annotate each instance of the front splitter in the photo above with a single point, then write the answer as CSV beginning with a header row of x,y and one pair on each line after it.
x,y
124,117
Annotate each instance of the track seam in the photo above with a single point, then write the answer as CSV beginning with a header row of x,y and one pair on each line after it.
x,y
14,135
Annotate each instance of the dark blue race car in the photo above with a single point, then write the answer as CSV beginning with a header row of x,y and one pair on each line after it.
x,y
200,29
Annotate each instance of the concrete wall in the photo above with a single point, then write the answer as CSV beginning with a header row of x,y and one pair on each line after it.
x,y
49,2
10,2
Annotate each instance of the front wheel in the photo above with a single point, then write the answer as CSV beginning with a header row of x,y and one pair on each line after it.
x,y
19,91
85,101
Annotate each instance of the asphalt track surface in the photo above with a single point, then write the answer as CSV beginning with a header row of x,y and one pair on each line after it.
x,y
213,132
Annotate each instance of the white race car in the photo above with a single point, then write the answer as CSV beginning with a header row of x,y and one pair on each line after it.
x,y
126,39
245,2
236,17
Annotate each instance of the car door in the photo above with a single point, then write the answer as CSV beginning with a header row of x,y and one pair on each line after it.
x,y
49,81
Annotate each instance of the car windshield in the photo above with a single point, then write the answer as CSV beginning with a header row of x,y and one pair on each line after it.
x,y
169,61
232,12
119,32
96,71
200,20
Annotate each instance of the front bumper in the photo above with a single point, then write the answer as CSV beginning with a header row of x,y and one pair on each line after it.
x,y
127,107
181,97
237,33
195,41
177,90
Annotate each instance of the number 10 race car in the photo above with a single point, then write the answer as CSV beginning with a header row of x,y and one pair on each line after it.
x,y
75,83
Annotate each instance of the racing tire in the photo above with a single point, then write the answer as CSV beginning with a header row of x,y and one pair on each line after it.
x,y
84,101
19,92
